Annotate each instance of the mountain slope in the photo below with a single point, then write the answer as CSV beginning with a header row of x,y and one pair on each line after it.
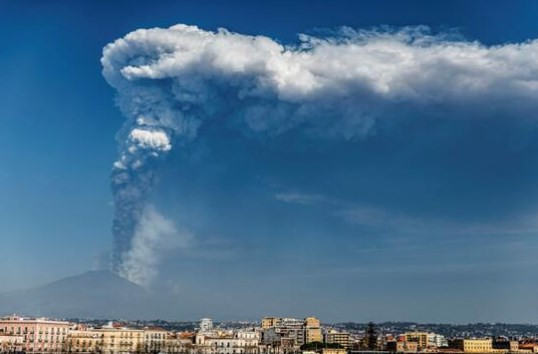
x,y
94,294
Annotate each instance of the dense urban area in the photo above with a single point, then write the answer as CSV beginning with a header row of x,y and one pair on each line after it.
x,y
273,335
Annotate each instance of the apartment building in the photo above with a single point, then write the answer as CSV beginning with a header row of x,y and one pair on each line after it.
x,y
120,340
155,339
312,330
336,337
40,335
83,341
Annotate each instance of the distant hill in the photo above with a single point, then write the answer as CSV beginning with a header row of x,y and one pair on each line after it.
x,y
94,294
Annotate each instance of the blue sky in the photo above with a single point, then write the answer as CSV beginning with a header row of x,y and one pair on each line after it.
x,y
423,219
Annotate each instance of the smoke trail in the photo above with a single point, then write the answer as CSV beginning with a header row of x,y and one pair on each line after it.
x,y
133,177
170,81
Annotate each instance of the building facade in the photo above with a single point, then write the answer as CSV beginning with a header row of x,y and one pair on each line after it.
x,y
11,343
206,325
40,335
155,340
120,340
336,337
421,338
290,333
83,341
240,342
312,330
402,346
482,345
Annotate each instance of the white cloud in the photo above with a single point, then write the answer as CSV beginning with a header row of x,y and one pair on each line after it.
x,y
180,76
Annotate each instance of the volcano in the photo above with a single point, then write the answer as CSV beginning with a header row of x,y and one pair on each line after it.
x,y
93,294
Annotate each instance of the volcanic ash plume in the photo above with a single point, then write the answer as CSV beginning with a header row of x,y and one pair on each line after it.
x,y
170,81
132,179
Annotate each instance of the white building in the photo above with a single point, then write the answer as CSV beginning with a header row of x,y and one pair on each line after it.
x,y
251,337
437,340
206,325
240,342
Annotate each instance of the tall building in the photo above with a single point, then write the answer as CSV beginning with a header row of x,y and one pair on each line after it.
x,y
206,325
312,330
312,322
39,334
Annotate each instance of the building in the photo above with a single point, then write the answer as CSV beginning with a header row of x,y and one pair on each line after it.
x,y
529,347
11,343
83,341
437,341
240,342
421,338
39,334
250,336
175,343
335,337
482,345
311,322
290,332
312,330
117,339
155,339
401,346
506,345
206,325
268,322
283,332
120,340
333,351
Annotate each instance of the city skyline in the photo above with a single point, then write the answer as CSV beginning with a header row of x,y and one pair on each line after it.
x,y
271,335
356,160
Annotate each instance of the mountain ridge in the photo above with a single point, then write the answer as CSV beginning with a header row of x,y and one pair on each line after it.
x,y
91,294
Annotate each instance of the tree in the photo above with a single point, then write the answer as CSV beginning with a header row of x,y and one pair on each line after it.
x,y
315,346
371,336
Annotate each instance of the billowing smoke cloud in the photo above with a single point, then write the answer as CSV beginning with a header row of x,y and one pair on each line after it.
x,y
170,81
153,235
